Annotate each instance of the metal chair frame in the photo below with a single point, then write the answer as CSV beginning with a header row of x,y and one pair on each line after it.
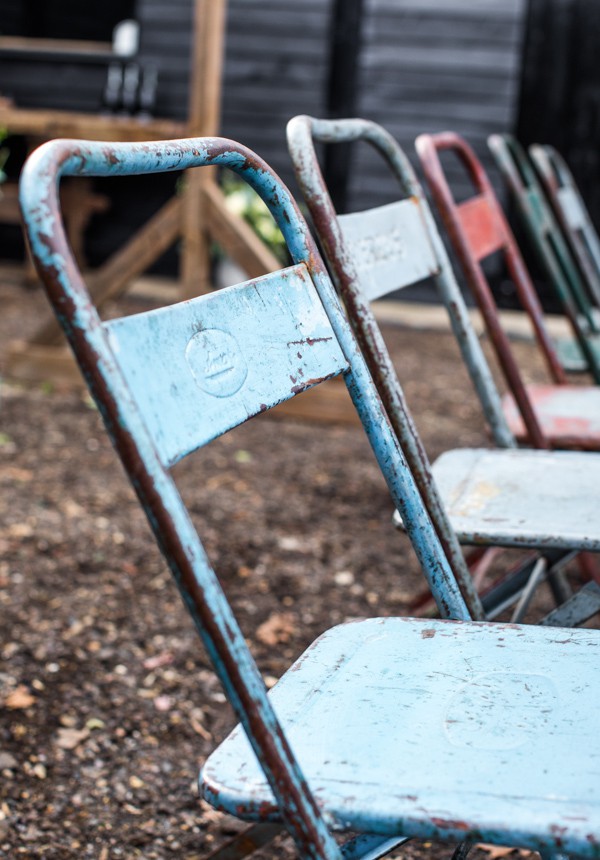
x,y
547,416
553,253
203,361
570,212
376,252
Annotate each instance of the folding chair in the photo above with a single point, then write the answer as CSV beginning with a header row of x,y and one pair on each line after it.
x,y
570,212
387,728
489,498
554,415
554,256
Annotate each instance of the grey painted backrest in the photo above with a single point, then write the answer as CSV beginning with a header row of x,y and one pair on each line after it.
x,y
379,251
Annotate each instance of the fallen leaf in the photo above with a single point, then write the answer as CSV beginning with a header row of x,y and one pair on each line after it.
x,y
278,628
242,456
20,530
494,852
69,739
199,729
163,659
19,698
22,476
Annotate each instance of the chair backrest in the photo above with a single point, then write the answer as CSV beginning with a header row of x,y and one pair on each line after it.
x,y
553,252
570,211
373,253
168,381
477,228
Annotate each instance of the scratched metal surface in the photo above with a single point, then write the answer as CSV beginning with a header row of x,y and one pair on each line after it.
x,y
206,357
489,729
553,497
390,247
568,414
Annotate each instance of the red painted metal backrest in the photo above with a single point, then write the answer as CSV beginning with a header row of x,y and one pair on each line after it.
x,y
477,228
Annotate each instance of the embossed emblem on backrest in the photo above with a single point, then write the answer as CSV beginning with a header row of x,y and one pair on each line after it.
x,y
216,362
373,250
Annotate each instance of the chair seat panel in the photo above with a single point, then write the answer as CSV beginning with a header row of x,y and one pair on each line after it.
x,y
570,355
517,497
438,728
568,414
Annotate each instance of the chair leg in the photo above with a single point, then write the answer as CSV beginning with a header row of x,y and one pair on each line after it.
x,y
369,846
537,575
582,606
462,849
246,842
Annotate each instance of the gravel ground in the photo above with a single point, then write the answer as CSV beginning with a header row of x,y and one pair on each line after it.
x,y
108,705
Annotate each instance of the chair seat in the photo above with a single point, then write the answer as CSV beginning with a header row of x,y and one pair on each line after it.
x,y
570,354
569,415
538,499
438,729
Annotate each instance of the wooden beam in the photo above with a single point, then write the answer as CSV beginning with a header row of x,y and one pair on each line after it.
x,y
204,109
327,403
235,236
64,47
9,204
195,244
112,277
29,362
47,124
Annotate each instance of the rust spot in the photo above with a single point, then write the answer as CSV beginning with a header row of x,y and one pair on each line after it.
x,y
450,824
428,633
309,341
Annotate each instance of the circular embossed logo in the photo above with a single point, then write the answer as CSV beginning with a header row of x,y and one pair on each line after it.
x,y
216,362
500,711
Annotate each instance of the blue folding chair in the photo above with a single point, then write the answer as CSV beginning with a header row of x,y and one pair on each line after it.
x,y
387,728
504,497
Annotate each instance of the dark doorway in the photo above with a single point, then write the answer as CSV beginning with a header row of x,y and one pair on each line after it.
x,y
560,92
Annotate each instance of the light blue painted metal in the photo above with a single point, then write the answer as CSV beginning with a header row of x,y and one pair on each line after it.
x,y
130,415
206,357
552,497
488,729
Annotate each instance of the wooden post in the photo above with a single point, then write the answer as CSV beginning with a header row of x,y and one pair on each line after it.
x,y
198,215
203,120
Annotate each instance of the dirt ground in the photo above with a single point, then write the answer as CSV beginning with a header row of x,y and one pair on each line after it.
x,y
108,705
